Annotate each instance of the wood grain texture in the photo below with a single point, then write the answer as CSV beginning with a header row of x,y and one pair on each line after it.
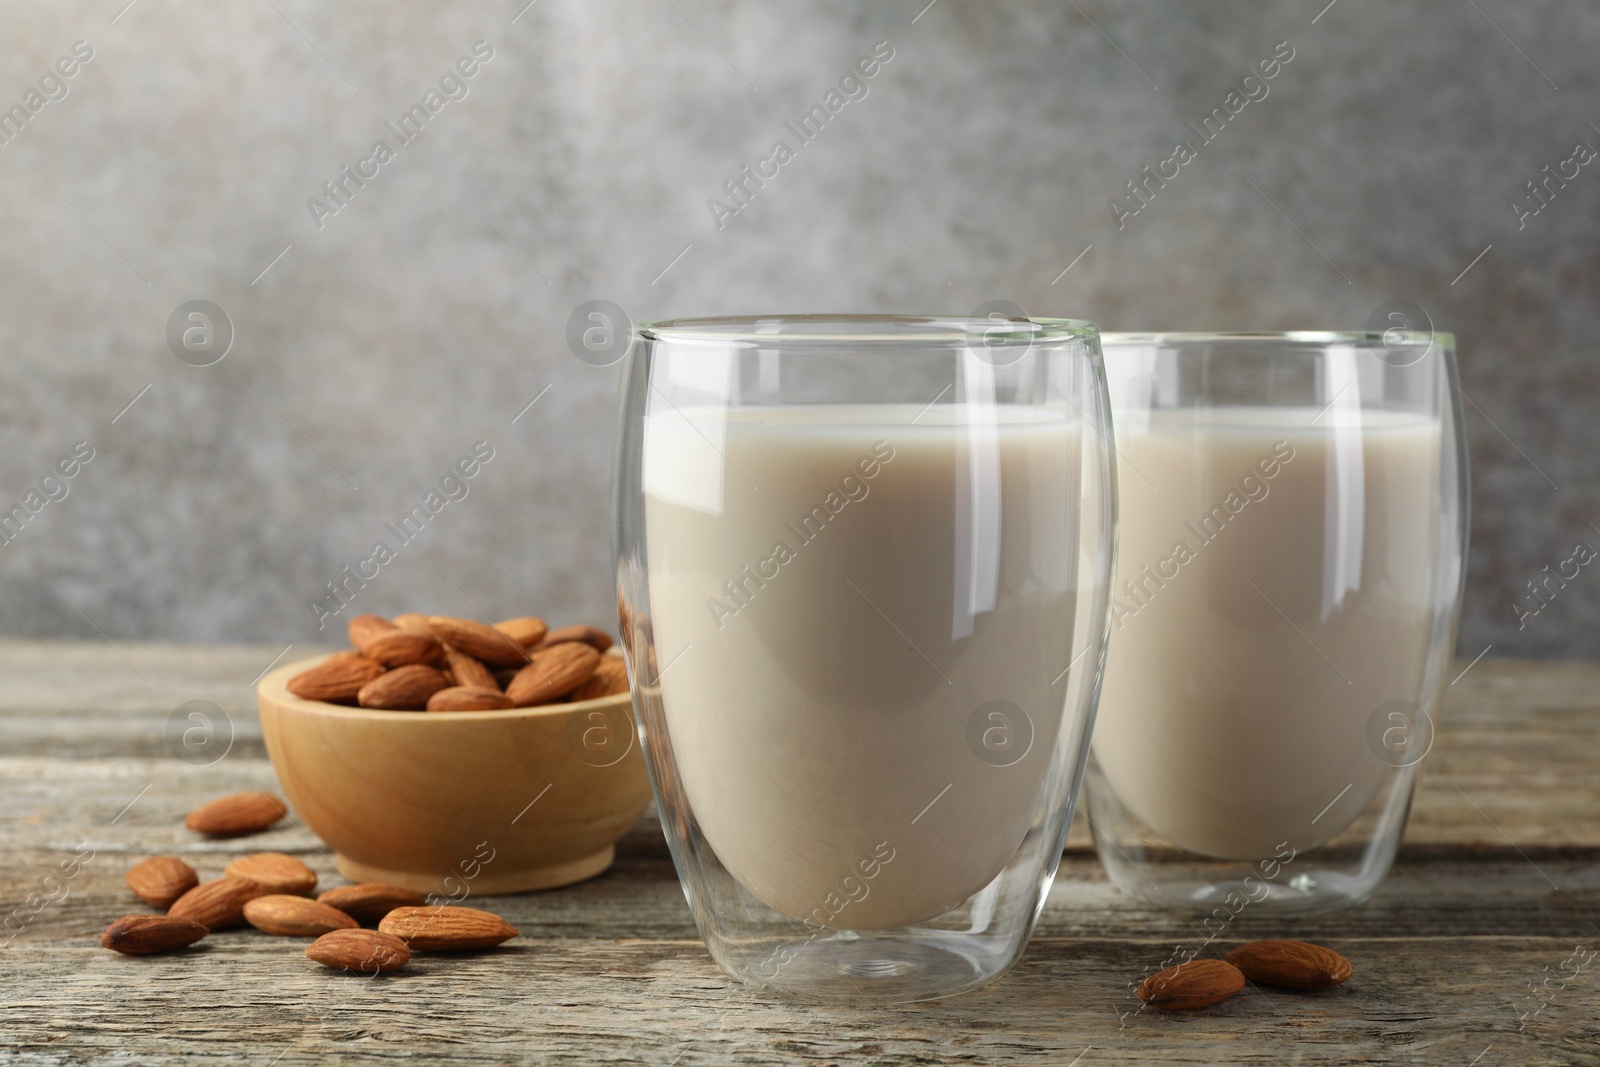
x,y
1497,883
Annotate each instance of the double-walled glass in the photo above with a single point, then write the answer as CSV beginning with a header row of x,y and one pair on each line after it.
x,y
1292,542
862,570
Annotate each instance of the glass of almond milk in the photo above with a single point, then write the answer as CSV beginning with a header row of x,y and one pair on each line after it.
x,y
1292,535
862,575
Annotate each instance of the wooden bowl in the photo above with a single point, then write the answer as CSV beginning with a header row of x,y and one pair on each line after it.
x,y
459,803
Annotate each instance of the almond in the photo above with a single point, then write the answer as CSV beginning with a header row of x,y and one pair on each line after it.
x,y
216,905
402,648
1191,985
610,678
367,951
160,880
237,813
598,640
291,916
364,628
1290,964
446,929
275,872
417,624
370,901
468,671
478,640
551,672
469,698
525,630
145,935
402,689
335,680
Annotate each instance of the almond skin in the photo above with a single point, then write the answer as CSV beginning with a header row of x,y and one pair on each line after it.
x,y
367,951
216,905
275,872
160,880
291,916
552,672
402,689
402,648
237,813
145,935
610,678
364,628
1290,964
596,639
446,929
478,640
468,671
469,698
525,630
1196,984
336,680
417,624
369,902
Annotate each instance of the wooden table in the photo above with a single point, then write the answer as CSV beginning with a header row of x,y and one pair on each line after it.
x,y
1497,884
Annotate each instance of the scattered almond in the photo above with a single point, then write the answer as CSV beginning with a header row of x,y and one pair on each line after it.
x,y
467,671
364,628
160,880
275,872
1290,964
446,929
370,901
402,648
525,630
610,678
1191,985
216,905
237,813
469,698
367,951
414,622
335,680
145,935
477,640
291,916
597,639
402,689
551,672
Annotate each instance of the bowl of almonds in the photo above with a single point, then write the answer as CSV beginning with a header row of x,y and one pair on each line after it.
x,y
453,757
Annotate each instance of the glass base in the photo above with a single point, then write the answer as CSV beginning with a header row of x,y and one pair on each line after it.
x,y
1185,888
857,967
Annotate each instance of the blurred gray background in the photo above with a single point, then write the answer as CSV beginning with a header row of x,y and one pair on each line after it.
x,y
372,352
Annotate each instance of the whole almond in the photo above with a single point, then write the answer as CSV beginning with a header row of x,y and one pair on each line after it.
x,y
1290,964
370,901
237,813
291,916
364,628
469,698
402,648
335,680
477,640
468,671
596,639
446,929
414,622
610,678
402,689
160,880
145,935
275,872
367,951
525,630
1191,985
552,672
216,905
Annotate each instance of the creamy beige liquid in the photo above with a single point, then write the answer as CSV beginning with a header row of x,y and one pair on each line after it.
x,y
1270,616
835,590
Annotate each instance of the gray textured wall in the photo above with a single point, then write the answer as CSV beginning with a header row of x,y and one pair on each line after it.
x,y
429,311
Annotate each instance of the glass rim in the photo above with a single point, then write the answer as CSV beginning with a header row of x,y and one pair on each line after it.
x,y
868,328
1186,337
